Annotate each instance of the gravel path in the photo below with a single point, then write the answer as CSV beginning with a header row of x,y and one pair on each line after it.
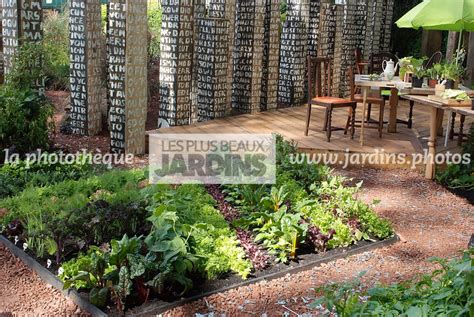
x,y
429,219
23,293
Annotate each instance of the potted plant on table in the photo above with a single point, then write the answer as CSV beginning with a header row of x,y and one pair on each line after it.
x,y
452,74
414,66
419,71
434,75
453,71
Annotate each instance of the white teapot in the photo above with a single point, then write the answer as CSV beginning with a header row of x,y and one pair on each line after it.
x,y
389,69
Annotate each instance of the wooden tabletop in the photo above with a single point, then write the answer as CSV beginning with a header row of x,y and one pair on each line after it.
x,y
424,100
396,82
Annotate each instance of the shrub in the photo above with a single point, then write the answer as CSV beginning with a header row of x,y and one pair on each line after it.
x,y
25,121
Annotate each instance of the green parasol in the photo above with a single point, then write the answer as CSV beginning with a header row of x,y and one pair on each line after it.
x,y
442,15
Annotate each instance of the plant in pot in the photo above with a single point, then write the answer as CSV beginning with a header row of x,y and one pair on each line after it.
x,y
452,74
405,68
453,71
418,70
434,75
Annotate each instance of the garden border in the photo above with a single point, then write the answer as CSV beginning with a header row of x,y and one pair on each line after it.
x,y
159,307
51,279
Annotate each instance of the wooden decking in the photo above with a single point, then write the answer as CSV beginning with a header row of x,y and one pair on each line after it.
x,y
289,122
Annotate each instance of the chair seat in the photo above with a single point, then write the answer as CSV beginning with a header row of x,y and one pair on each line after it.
x,y
370,98
331,101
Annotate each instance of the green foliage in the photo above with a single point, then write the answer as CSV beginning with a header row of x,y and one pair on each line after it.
x,y
460,176
279,231
448,291
211,238
14,178
154,28
25,121
413,65
56,47
168,246
307,204
93,263
72,213
339,199
247,197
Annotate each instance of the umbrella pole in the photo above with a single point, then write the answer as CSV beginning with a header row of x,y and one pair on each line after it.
x,y
460,40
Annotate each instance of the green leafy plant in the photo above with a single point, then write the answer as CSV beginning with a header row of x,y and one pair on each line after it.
x,y
279,231
448,291
15,177
413,65
460,176
20,108
211,237
453,71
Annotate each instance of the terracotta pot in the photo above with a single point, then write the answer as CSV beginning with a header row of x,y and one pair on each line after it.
x,y
417,82
432,83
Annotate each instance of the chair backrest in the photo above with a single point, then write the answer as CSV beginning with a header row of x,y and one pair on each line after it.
x,y
358,60
434,59
376,60
319,77
351,81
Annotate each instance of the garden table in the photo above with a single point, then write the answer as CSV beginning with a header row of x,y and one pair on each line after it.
x,y
437,109
395,85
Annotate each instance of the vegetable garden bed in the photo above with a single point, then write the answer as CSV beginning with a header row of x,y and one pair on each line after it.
x,y
157,306
127,243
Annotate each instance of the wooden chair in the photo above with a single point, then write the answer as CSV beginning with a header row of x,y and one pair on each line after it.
x,y
376,99
360,64
436,58
319,94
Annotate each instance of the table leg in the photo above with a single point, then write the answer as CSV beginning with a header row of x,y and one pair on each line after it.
x,y
364,105
430,163
461,128
446,138
392,124
439,123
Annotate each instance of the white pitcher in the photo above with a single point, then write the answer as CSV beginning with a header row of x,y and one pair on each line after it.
x,y
389,69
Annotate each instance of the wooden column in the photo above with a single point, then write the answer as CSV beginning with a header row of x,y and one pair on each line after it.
x,y
313,26
353,36
127,74
226,9
248,56
22,22
86,67
211,67
271,55
293,53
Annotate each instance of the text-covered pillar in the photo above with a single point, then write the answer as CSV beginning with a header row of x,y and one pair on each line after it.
x,y
127,75
85,66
